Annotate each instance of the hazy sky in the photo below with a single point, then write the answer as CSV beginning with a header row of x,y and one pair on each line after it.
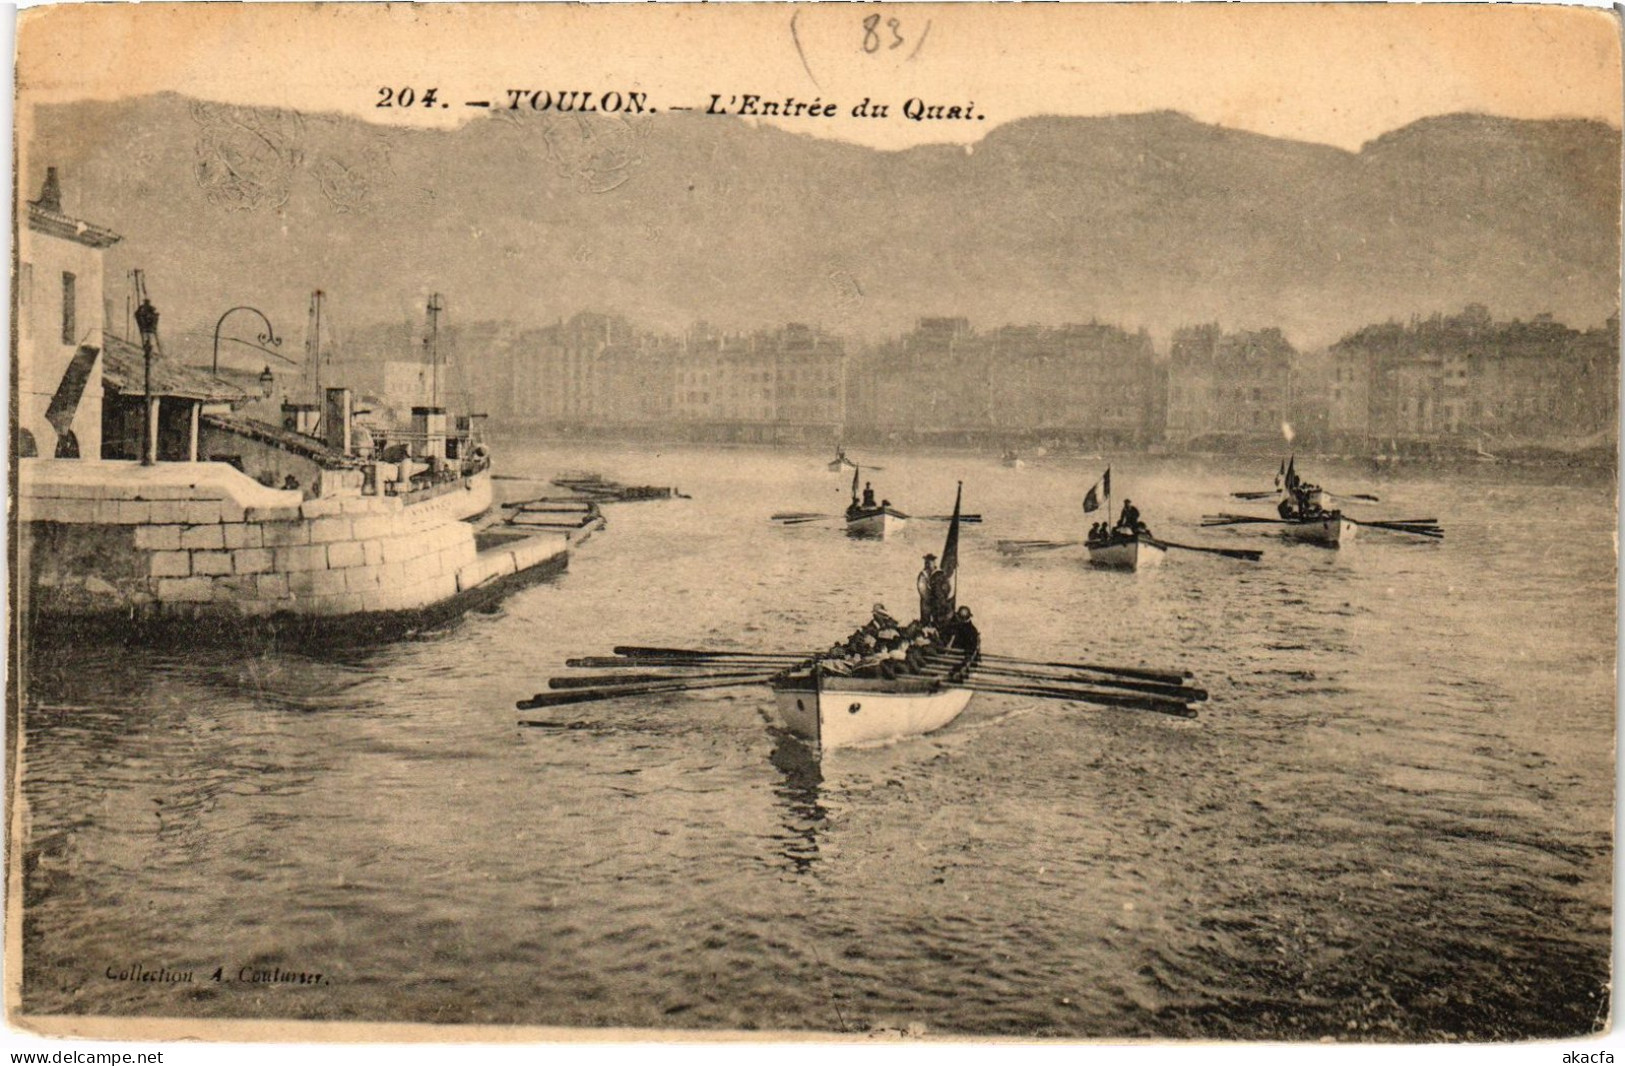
x,y
1336,74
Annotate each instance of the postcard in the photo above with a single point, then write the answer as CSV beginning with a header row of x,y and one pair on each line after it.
x,y
814,522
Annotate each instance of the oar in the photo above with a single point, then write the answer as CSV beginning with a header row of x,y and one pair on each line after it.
x,y
617,662
700,655
1015,547
1162,684
1421,531
783,516
1123,671
559,699
705,653
622,680
1277,492
691,665
1105,699
971,518
1237,519
806,521
1229,553
1152,688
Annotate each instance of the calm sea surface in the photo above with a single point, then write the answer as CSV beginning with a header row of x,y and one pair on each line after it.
x,y
1392,820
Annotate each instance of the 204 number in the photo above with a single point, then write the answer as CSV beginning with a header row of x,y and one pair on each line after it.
x,y
406,97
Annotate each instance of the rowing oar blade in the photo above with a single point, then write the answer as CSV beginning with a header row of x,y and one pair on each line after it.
x,y
705,653
1230,553
559,699
1015,547
1104,699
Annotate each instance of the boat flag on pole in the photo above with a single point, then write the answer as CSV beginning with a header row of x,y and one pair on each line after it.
x,y
950,554
1280,474
1291,474
855,471
1091,499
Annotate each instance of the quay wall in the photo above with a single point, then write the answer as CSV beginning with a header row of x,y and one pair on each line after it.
x,y
201,539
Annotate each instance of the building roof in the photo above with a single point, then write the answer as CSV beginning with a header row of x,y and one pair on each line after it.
x,y
297,443
43,219
123,369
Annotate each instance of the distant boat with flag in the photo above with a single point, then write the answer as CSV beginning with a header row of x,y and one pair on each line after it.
x,y
1303,516
1127,544
868,519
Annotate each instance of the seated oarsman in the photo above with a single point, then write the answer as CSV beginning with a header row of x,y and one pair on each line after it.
x,y
880,618
962,635
1302,504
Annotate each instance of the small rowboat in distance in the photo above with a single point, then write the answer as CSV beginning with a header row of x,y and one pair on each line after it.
x,y
1125,551
874,523
834,711
1329,530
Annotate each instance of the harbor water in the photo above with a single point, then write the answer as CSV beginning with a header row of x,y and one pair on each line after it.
x,y
1391,821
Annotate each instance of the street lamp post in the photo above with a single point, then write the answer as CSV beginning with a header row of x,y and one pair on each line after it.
x,y
268,337
146,320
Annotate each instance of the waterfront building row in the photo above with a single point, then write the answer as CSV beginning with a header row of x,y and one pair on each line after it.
x,y
1467,379
1444,380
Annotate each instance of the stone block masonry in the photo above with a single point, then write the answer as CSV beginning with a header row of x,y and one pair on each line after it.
x,y
201,539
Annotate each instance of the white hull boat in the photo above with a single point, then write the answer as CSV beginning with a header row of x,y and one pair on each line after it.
x,y
837,712
879,523
477,498
1126,553
1328,530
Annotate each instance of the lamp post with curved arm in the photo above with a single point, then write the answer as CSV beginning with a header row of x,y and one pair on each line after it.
x,y
268,337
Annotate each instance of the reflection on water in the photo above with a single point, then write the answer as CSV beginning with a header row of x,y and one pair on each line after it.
x,y
1392,820
805,815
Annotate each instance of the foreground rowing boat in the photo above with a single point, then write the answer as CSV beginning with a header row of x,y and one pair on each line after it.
x,y
833,711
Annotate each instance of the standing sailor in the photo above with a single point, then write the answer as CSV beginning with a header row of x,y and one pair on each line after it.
x,y
1129,522
868,496
923,585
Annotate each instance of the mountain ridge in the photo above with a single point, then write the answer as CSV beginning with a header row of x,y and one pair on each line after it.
x,y
1154,220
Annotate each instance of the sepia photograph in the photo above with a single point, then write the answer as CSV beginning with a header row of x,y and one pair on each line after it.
x,y
798,523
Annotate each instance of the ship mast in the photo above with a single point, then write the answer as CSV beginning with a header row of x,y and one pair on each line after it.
x,y
313,348
433,341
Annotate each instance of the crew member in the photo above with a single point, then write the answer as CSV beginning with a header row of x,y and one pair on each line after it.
x,y
868,496
962,633
941,598
923,585
1129,521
